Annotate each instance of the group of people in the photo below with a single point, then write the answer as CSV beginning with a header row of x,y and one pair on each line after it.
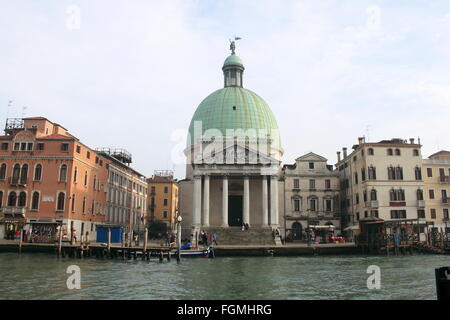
x,y
245,226
206,240
171,239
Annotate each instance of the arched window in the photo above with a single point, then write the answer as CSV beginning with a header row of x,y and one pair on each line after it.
x,y
12,199
24,174
415,152
312,203
397,152
3,171
389,152
35,201
22,199
61,199
38,172
16,173
373,194
63,173
296,204
418,173
392,195
75,174
370,152
1,198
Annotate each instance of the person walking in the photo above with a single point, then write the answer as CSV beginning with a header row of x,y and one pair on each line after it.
x,y
214,237
74,235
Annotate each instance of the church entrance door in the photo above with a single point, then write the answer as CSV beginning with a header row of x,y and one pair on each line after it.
x,y
235,211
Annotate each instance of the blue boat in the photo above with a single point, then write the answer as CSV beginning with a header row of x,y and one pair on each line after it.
x,y
207,252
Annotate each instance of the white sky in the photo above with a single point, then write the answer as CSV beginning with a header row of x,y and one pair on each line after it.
x,y
132,73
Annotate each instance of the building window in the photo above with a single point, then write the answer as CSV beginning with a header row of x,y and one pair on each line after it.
x,y
429,172
24,174
444,194
85,178
372,173
165,202
374,213
63,173
365,195
421,214
296,184
415,152
327,184
38,172
389,152
433,213
395,173
12,199
166,189
35,201
373,194
445,213
397,152
73,202
397,195
4,146
22,199
78,149
398,214
431,193
313,204
1,198
40,146
356,177
95,181
16,173
357,198
312,184
75,174
418,173
370,152
328,205
165,214
311,165
83,208
61,199
3,171
296,204
419,194
64,147
96,160
363,174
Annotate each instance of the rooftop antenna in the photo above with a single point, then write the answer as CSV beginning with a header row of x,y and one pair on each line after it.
x,y
23,111
367,131
10,104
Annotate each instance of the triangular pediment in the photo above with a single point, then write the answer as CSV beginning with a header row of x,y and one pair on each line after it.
x,y
311,156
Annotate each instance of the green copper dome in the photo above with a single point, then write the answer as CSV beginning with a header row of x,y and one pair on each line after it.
x,y
235,108
233,60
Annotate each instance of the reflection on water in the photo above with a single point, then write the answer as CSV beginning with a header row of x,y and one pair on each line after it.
x,y
43,276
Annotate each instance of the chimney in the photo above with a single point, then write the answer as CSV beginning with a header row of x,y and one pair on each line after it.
x,y
339,156
360,140
411,140
344,152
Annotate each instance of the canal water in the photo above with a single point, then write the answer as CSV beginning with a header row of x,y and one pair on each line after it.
x,y
43,276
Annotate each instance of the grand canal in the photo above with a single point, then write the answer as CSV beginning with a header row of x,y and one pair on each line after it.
x,y
43,276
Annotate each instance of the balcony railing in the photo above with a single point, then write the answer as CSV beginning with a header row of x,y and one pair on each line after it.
x,y
372,204
421,203
18,181
444,179
446,200
14,211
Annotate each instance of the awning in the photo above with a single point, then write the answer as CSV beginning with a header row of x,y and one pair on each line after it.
x,y
355,227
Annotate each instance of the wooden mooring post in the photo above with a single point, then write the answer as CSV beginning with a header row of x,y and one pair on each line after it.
x,y
109,241
144,249
60,241
20,241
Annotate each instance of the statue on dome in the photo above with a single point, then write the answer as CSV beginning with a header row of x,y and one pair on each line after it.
x,y
233,45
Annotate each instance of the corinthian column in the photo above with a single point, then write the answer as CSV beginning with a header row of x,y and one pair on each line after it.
x,y
197,201
246,216
274,201
206,201
225,201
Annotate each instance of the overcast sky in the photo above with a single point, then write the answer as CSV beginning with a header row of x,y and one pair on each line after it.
x,y
130,74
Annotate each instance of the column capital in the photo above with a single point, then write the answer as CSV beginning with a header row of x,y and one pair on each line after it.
x,y
197,176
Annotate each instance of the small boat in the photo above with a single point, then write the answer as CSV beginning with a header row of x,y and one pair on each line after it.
x,y
196,252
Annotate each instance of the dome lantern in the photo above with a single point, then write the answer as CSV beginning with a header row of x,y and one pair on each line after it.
x,y
233,68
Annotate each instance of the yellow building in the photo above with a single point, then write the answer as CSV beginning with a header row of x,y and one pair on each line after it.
x,y
162,198
436,176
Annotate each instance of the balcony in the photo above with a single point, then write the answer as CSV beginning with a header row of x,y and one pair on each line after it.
x,y
421,203
372,204
14,212
446,201
444,179
18,182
